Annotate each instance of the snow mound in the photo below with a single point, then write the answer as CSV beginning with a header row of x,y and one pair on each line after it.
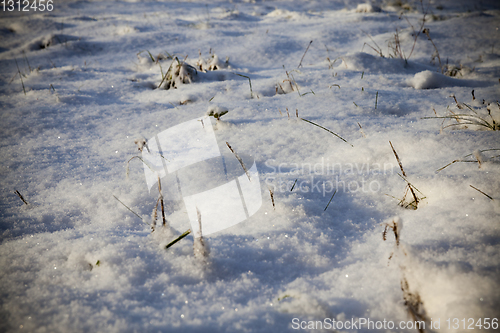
x,y
433,80
366,8
283,13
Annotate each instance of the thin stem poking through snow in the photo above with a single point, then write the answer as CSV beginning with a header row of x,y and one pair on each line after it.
x,y
300,64
239,160
184,234
21,197
326,129
129,209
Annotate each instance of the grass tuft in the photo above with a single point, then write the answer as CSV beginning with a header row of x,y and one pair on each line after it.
x,y
178,73
474,118
413,204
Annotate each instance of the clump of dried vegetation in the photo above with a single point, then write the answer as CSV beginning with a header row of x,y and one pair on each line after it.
x,y
410,198
483,116
213,63
179,71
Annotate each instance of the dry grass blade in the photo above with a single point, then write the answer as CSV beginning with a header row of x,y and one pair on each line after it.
x,y
249,82
481,192
20,76
26,59
378,50
330,200
21,197
426,31
455,161
361,130
467,119
467,161
127,170
161,202
149,53
415,33
293,186
272,198
200,250
164,77
300,64
140,158
187,232
129,209
239,160
410,186
326,129
397,158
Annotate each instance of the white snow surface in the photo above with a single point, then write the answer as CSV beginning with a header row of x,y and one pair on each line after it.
x,y
74,259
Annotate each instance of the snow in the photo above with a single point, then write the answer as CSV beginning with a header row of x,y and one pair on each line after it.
x,y
433,80
75,259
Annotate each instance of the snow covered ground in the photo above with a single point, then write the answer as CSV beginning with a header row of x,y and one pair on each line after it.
x,y
76,260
